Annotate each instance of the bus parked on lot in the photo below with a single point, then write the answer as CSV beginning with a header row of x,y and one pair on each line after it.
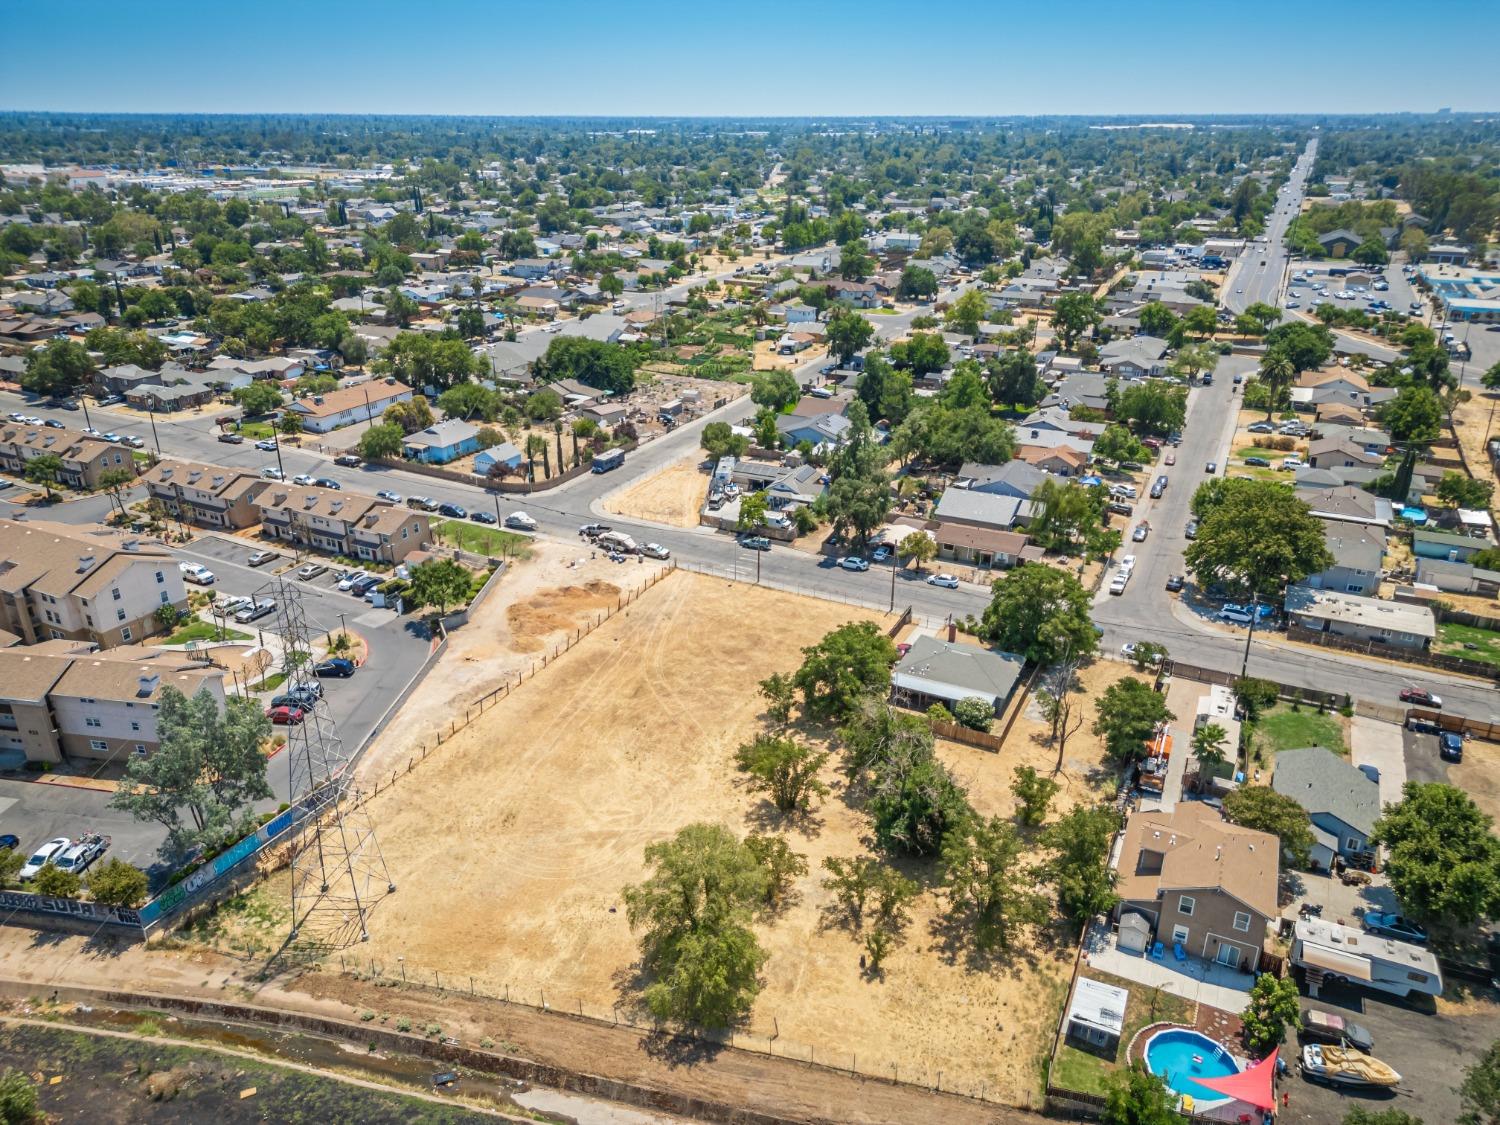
x,y
610,459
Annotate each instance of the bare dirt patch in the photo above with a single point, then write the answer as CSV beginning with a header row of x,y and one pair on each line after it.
x,y
488,652
672,496
621,742
1478,775
548,612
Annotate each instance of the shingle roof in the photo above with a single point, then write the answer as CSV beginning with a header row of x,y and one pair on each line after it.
x,y
1200,851
1322,782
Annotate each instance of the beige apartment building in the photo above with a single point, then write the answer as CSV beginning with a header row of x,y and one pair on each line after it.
x,y
61,582
84,459
206,495
342,523
60,701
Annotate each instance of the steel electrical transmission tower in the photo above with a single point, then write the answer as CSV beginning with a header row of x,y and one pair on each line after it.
x,y
338,871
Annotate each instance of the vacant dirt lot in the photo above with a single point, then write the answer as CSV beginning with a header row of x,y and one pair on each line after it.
x,y
672,496
1478,775
559,588
513,842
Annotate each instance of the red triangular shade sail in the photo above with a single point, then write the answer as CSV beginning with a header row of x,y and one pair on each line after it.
x,y
1253,1085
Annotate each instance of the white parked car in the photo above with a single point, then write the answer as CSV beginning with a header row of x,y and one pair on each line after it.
x,y
520,520
948,581
302,478
350,578
854,562
196,573
387,494
1127,564
44,855
271,472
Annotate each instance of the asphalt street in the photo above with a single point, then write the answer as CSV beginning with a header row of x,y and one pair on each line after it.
x,y
1259,272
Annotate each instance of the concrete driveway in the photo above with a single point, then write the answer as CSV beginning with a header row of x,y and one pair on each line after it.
x,y
1380,744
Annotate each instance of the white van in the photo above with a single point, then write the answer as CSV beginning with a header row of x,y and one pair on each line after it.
x,y
1235,614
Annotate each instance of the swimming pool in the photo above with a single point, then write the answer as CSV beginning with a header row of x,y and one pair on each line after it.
x,y
1177,1055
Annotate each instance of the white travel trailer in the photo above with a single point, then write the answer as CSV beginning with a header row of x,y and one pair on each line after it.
x,y
1327,951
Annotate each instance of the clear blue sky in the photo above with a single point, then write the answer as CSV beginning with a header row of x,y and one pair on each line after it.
x,y
772,57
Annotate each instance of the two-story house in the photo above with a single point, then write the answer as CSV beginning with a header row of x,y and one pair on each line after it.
x,y
62,582
1200,882
206,495
342,523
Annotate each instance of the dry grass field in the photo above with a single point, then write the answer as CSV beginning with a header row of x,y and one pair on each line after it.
x,y
672,496
512,843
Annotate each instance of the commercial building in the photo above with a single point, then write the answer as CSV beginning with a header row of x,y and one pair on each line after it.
x,y
61,582
342,523
61,702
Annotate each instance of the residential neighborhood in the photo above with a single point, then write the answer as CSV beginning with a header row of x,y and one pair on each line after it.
x,y
978,618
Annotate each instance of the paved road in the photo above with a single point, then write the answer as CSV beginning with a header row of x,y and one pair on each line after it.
x,y
1258,273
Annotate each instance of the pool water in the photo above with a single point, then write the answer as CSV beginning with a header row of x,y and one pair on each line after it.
x,y
1178,1056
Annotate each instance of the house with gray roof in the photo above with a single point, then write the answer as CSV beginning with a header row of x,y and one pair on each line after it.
x,y
1358,550
1014,478
1341,801
1134,358
442,442
1348,503
935,671
1084,388
981,509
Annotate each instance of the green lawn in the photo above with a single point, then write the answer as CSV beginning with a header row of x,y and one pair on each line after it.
x,y
1261,451
1075,1069
255,431
481,540
1452,637
270,683
204,631
1281,728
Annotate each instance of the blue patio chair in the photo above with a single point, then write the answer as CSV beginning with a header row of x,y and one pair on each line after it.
x,y
1158,951
1178,952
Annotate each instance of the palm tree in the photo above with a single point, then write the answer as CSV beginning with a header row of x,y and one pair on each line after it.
x,y
1277,372
1208,749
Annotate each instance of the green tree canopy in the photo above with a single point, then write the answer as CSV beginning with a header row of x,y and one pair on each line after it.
x,y
1040,612
1444,858
208,770
440,583
383,440
1128,714
1079,867
1257,538
1264,809
847,333
775,389
257,398
849,662
693,911
59,369
1274,1006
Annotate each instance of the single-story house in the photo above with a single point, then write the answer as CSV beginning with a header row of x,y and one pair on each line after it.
x,y
343,407
1339,243
1341,801
442,442
1014,478
1428,544
1458,577
981,547
935,671
981,509
487,460
1396,624
1135,358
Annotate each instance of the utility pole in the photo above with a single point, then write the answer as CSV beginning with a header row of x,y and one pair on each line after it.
x,y
1254,613
276,441
893,583
154,438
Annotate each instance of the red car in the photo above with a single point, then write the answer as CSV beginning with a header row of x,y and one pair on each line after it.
x,y
286,715
1421,697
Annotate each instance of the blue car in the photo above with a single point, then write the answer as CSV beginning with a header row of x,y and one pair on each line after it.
x,y
1394,925
1451,746
337,666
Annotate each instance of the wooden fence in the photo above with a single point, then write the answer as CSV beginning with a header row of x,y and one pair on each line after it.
x,y
901,623
492,484
1477,668
957,732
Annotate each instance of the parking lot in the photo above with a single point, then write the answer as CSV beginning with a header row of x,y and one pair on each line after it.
x,y
1429,1046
